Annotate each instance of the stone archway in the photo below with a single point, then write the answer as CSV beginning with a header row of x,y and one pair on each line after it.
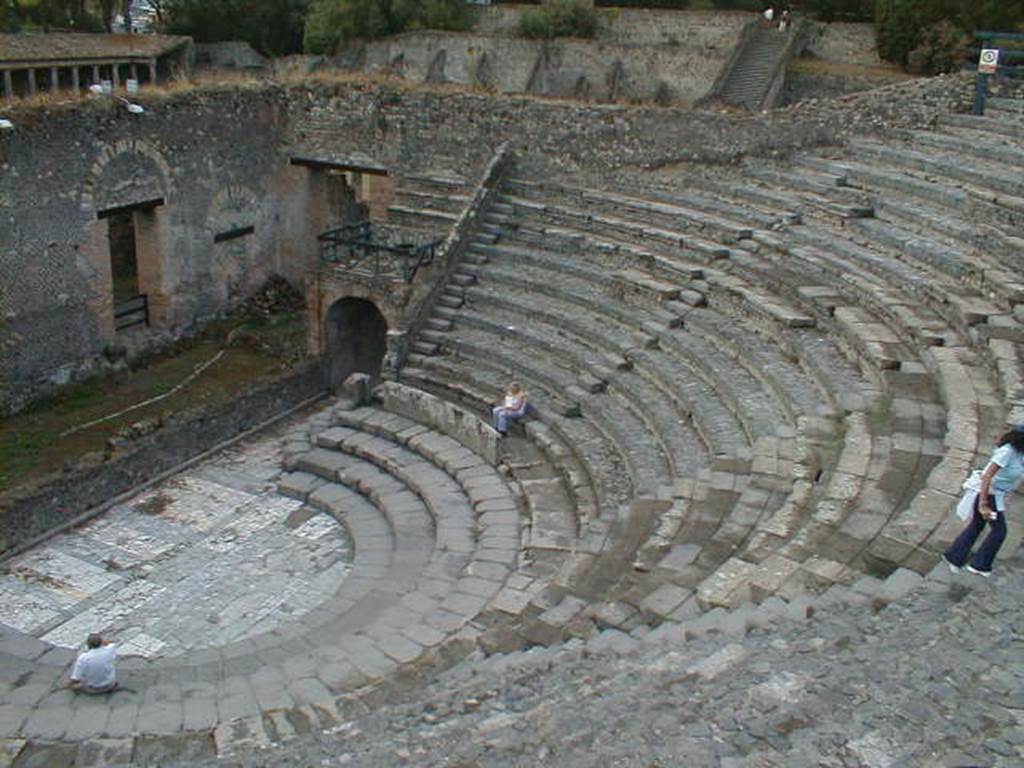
x,y
356,340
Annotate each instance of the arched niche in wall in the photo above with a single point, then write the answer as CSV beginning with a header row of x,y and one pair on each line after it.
x,y
127,191
355,336
232,267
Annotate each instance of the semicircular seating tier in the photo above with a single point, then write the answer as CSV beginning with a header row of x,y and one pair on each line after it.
x,y
770,379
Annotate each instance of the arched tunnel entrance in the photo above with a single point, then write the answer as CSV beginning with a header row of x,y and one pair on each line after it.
x,y
356,336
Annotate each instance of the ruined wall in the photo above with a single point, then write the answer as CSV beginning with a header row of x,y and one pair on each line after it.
x,y
463,130
559,68
635,26
216,162
220,160
844,43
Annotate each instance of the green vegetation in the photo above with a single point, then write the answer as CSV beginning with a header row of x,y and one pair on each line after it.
x,y
561,18
272,27
32,445
330,24
931,36
839,10
79,15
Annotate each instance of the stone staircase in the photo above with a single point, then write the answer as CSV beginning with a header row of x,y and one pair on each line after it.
x,y
748,82
428,203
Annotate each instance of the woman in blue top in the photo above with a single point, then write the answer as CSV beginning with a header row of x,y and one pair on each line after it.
x,y
1001,475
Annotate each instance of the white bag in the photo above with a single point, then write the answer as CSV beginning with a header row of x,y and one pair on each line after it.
x,y
971,486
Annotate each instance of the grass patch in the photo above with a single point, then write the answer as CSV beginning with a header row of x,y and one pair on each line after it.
x,y
31,445
883,74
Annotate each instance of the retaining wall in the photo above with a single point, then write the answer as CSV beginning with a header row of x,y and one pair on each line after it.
x,y
641,56
29,512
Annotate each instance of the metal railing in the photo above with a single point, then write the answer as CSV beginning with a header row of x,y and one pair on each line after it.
x,y
377,251
131,312
1010,64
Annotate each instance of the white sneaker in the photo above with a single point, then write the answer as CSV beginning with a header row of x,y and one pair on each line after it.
x,y
953,568
976,572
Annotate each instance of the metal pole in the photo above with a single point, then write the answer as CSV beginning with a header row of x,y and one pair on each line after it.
x,y
980,90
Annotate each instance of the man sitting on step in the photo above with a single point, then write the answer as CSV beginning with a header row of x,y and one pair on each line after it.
x,y
94,671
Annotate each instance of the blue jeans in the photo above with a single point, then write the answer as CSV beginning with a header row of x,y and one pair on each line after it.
x,y
986,554
503,415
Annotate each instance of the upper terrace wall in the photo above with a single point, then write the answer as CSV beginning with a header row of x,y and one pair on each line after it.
x,y
639,55
561,68
626,26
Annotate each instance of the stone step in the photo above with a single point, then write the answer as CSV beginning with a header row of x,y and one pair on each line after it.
x,y
986,124
449,183
432,337
475,257
988,177
425,348
450,301
438,323
426,214
463,278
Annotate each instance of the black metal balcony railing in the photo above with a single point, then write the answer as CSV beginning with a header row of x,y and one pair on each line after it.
x,y
131,312
373,250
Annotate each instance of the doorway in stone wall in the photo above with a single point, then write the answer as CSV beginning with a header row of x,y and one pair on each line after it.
x,y
356,340
134,260
124,263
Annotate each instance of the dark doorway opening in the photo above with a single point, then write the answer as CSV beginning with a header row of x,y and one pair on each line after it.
x,y
131,237
356,340
124,264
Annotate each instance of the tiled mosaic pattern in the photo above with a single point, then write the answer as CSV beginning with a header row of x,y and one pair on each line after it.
x,y
206,558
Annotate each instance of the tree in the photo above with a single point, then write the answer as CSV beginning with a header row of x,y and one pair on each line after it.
x,y
330,24
273,27
906,25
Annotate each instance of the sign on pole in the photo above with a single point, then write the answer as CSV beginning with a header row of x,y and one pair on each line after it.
x,y
988,61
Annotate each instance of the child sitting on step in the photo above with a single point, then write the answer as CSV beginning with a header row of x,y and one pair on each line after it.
x,y
513,408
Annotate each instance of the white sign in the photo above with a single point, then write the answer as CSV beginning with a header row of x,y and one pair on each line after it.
x,y
131,85
988,61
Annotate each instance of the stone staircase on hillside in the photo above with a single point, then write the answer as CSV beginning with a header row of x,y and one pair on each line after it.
x,y
748,82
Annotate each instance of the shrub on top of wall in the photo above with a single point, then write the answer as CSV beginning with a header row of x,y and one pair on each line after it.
x,y
330,24
935,29
562,18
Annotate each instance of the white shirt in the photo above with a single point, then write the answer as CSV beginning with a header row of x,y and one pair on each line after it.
x,y
95,668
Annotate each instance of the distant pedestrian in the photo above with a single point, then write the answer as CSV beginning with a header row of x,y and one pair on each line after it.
x,y
512,409
784,18
999,478
93,671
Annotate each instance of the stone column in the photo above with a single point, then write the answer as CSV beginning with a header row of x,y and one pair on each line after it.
x,y
76,83
152,71
54,79
8,85
397,350
114,75
95,74
31,80
149,262
95,247
314,323
133,72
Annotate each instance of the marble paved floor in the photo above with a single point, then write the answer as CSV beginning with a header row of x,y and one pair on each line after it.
x,y
208,557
